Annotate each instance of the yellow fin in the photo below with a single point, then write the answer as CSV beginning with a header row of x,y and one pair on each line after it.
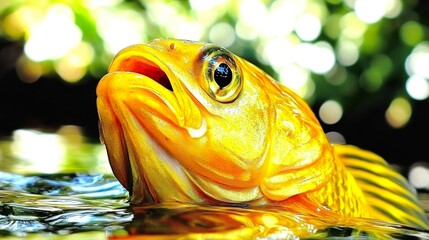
x,y
389,195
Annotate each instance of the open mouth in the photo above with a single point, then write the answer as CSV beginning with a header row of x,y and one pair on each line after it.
x,y
142,77
147,68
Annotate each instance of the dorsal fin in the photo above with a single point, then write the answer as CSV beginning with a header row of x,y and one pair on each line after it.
x,y
388,193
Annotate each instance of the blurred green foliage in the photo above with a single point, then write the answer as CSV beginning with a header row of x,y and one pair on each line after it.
x,y
354,52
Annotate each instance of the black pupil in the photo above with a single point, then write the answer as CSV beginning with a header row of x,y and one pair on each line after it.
x,y
223,75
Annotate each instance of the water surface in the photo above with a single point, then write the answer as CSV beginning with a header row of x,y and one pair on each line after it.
x,y
59,186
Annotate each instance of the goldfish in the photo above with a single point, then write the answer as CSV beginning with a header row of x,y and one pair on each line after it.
x,y
190,122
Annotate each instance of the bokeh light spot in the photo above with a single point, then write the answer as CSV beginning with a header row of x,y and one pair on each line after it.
x,y
419,175
335,138
278,52
352,27
68,71
318,57
332,26
337,75
331,112
411,33
398,113
347,53
371,11
393,8
297,79
187,29
162,13
286,13
245,30
17,24
417,62
120,28
248,11
222,34
417,87
202,5
29,71
308,27
54,36
72,67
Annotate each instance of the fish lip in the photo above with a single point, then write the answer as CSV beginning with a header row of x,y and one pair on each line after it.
x,y
152,76
143,65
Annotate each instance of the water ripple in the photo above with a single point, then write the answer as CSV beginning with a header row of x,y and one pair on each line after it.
x,y
95,206
61,203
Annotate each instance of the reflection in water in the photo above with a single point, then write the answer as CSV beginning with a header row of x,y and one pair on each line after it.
x,y
215,222
96,205
84,201
61,203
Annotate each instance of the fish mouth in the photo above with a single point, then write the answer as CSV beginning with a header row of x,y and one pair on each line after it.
x,y
154,72
148,75
141,95
143,66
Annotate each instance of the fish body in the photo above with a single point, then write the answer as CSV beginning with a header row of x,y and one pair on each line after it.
x,y
191,122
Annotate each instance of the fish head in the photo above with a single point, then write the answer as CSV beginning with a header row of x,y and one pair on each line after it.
x,y
188,121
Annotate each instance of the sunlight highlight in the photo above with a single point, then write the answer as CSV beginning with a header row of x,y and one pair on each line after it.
x,y
54,36
372,11
120,28
308,27
278,52
34,146
318,57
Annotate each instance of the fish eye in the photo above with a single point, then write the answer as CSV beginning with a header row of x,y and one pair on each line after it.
x,y
222,74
